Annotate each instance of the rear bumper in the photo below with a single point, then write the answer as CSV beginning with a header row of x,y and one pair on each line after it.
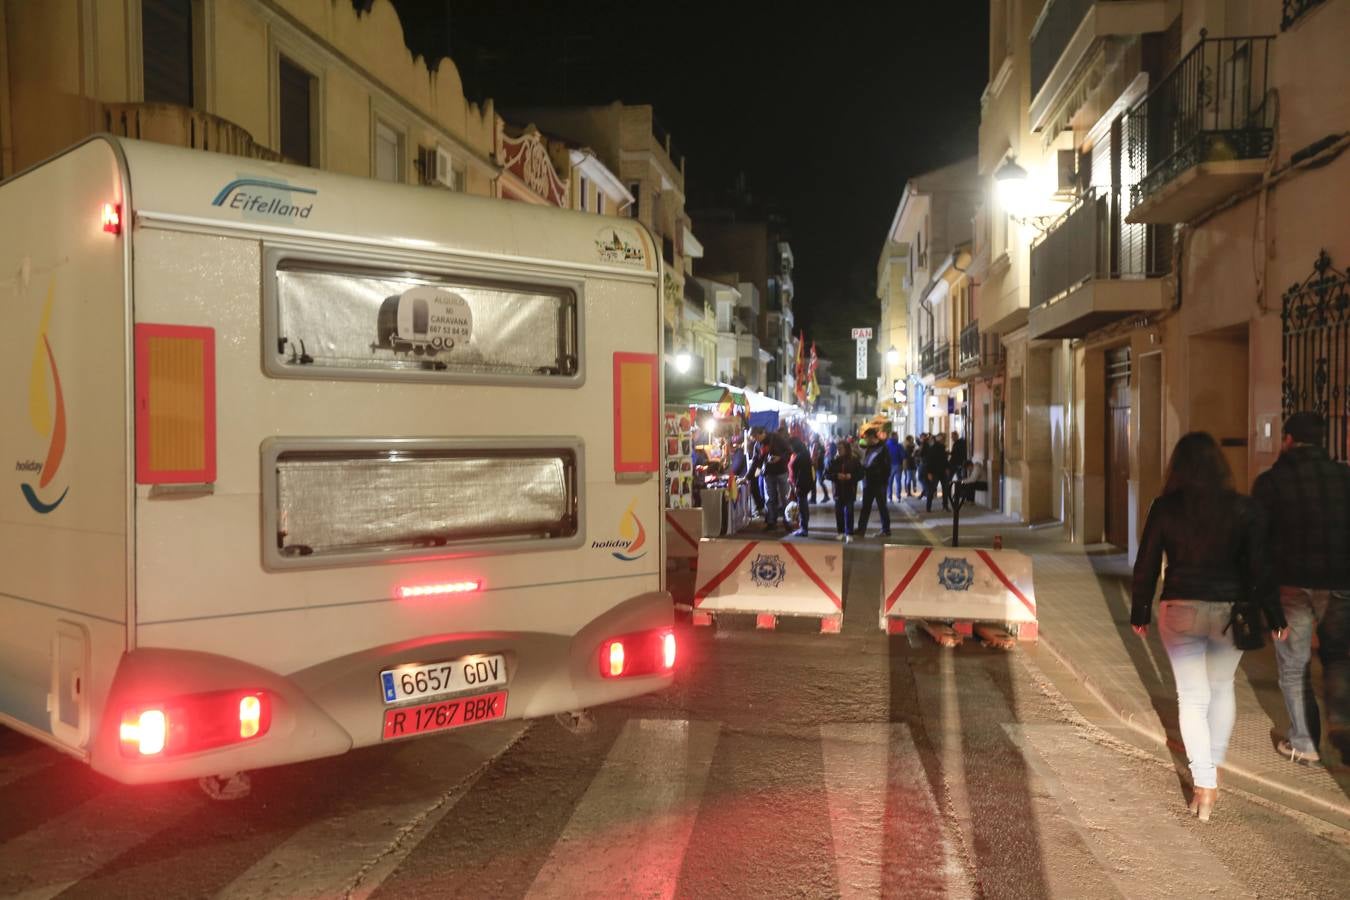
x,y
332,707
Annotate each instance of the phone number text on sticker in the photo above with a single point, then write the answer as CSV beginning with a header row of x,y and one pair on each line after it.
x,y
412,720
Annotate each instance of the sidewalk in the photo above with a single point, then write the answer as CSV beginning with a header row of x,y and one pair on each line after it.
x,y
1083,603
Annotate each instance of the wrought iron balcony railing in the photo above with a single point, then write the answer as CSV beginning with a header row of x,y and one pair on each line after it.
x,y
1058,24
978,352
1216,104
1294,10
1093,240
942,360
926,358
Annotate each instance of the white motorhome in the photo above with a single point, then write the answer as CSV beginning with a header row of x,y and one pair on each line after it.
x,y
304,462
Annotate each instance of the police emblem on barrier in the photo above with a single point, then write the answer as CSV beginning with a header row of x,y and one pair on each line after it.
x,y
767,570
956,574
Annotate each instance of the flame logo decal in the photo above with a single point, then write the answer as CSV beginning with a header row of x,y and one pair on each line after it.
x,y
48,417
631,530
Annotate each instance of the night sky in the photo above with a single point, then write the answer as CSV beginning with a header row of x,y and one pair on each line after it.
x,y
825,109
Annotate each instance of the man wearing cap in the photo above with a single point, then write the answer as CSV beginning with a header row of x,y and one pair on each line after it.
x,y
1306,497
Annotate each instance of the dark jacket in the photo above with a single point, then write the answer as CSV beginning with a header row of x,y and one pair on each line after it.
x,y
777,453
958,455
934,461
845,464
1306,499
800,471
739,464
877,463
1218,556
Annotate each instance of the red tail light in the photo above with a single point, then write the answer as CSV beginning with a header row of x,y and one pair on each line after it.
x,y
112,218
642,653
195,722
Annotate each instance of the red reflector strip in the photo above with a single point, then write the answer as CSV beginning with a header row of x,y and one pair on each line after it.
x,y
435,590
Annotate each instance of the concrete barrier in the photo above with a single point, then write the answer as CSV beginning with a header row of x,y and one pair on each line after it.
x,y
770,579
958,585
684,529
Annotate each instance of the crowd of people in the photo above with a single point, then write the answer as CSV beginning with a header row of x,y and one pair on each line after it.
x,y
784,472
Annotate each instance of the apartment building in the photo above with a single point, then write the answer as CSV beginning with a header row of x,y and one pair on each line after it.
x,y
1167,144
329,85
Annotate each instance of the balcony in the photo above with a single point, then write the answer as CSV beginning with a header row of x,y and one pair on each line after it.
x,y
182,126
1092,268
1204,132
980,354
1067,32
935,359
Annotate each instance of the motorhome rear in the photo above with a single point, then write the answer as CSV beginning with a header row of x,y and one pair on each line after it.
x,y
303,462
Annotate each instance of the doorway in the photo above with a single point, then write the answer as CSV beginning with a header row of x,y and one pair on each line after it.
x,y
1218,388
1118,446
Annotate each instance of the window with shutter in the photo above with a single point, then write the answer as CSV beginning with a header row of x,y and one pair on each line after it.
x,y
296,88
166,51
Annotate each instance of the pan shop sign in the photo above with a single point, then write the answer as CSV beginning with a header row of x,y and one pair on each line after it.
x,y
266,199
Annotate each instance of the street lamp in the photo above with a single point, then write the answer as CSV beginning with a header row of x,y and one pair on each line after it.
x,y
682,361
892,356
1012,182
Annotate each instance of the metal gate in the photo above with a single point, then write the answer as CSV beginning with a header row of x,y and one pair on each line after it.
x,y
1316,363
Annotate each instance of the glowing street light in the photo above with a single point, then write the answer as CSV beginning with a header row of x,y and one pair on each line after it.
x,y
1012,183
892,356
683,361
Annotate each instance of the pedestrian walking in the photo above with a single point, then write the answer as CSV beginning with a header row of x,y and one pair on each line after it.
x,y
934,472
876,475
755,451
1218,574
845,470
958,458
1306,499
803,481
818,466
776,454
910,484
897,454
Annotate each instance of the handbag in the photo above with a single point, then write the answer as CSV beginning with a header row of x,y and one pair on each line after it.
x,y
1245,621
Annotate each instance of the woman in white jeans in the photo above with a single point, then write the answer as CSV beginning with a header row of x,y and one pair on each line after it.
x,y
1214,540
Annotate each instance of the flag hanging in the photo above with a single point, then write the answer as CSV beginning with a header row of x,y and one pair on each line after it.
x,y
812,386
800,372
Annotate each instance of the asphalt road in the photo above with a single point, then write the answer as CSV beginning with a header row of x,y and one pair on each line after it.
x,y
782,764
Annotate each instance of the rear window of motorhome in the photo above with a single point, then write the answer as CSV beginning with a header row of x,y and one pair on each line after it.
x,y
363,323
351,504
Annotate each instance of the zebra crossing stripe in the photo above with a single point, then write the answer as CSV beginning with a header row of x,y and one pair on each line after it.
x,y
375,838
63,851
27,763
889,837
628,835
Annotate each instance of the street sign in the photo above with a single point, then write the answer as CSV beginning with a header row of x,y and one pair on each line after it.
x,y
862,334
862,355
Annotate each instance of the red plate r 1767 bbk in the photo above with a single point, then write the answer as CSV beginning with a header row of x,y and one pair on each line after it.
x,y
444,714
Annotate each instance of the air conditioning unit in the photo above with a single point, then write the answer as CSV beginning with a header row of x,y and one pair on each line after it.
x,y
437,167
